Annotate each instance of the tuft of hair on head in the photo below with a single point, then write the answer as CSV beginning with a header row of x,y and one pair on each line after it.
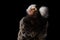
x,y
43,7
44,11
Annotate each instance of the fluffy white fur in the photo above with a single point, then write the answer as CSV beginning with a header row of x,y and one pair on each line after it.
x,y
31,7
44,11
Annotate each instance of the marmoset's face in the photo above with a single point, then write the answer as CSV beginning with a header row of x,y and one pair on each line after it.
x,y
32,11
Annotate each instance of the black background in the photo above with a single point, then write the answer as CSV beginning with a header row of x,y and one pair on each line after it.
x,y
52,5
13,11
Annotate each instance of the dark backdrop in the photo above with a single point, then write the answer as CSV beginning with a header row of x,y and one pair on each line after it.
x,y
13,10
21,11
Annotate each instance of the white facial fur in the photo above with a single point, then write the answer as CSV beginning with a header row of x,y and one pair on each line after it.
x,y
29,9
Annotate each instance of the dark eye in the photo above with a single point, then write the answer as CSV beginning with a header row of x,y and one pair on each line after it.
x,y
33,9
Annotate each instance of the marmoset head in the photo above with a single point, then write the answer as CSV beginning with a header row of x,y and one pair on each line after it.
x,y
31,10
